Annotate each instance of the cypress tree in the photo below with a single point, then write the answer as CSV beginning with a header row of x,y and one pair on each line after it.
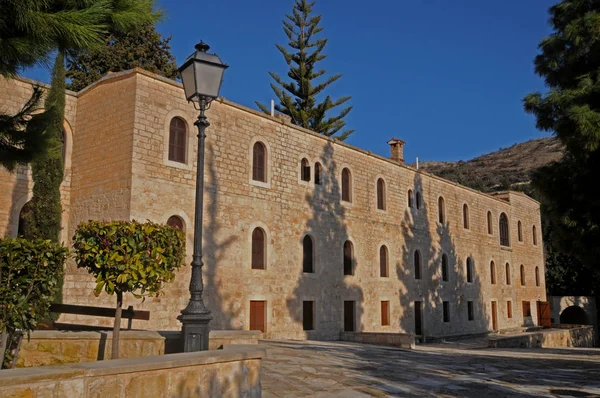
x,y
44,211
298,97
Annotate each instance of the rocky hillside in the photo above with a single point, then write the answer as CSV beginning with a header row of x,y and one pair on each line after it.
x,y
503,169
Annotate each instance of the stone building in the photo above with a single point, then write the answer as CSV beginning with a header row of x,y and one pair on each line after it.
x,y
304,236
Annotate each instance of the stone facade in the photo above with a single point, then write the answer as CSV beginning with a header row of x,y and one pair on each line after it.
x,y
121,170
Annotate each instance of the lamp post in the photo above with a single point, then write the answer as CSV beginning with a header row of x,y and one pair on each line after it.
x,y
201,75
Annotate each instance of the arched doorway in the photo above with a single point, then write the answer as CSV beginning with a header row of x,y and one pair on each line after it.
x,y
574,315
24,217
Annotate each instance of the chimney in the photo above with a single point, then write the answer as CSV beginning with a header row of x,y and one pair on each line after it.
x,y
397,149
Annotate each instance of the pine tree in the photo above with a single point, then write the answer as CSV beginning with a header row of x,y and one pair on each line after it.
x,y
142,48
569,62
298,97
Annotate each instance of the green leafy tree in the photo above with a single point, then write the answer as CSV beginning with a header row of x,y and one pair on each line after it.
x,y
30,30
143,48
129,257
29,274
298,97
569,62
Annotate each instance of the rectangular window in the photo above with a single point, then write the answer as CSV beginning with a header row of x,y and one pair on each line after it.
x,y
308,315
470,312
526,309
509,309
446,305
257,316
385,313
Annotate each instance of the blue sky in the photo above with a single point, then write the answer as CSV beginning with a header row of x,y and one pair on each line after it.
x,y
447,77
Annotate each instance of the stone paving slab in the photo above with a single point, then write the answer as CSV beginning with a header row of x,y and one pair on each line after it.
x,y
343,369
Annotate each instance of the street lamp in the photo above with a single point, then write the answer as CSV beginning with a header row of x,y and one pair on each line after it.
x,y
201,75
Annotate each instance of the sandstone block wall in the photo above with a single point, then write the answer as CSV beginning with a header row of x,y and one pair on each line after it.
x,y
233,372
139,106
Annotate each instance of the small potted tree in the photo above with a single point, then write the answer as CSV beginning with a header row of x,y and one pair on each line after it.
x,y
128,257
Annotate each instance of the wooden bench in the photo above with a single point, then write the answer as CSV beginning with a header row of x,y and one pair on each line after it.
x,y
127,313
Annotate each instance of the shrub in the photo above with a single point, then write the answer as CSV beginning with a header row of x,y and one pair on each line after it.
x,y
128,256
30,271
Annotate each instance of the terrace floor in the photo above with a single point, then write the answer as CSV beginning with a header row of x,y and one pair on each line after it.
x,y
342,369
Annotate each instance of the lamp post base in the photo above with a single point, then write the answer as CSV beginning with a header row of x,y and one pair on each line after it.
x,y
195,331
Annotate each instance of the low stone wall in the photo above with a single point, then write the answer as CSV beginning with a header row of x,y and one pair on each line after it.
x,y
51,347
402,340
573,336
217,339
233,372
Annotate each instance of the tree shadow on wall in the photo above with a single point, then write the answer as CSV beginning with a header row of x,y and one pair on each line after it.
x,y
328,287
221,301
432,289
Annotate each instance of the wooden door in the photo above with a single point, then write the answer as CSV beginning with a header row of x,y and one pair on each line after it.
x,y
543,310
418,318
494,316
349,316
257,315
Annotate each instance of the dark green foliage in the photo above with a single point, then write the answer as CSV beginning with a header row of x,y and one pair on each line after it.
x,y
29,274
21,134
298,97
43,219
142,48
129,256
570,64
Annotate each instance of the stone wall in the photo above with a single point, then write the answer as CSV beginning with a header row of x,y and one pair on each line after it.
x,y
232,372
583,336
401,340
53,347
121,170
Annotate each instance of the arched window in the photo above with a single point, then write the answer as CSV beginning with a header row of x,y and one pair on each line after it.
x,y
259,162
504,234
469,270
418,200
410,198
305,170
177,140
489,222
176,222
507,273
519,231
441,211
445,268
523,281
24,218
383,262
64,146
258,249
348,258
381,194
534,232
417,264
307,255
346,185
465,216
537,276
318,173
493,273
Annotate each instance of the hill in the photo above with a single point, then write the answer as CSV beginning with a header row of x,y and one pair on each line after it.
x,y
508,168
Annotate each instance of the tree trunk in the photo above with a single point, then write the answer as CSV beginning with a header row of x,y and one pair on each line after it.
x,y
117,327
3,342
17,349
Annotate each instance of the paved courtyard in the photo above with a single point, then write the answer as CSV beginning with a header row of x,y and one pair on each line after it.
x,y
339,369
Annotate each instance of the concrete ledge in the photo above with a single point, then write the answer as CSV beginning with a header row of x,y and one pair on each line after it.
x,y
578,336
402,340
234,371
216,339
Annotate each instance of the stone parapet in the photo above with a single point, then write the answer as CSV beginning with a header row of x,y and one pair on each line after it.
x,y
401,340
574,336
231,372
